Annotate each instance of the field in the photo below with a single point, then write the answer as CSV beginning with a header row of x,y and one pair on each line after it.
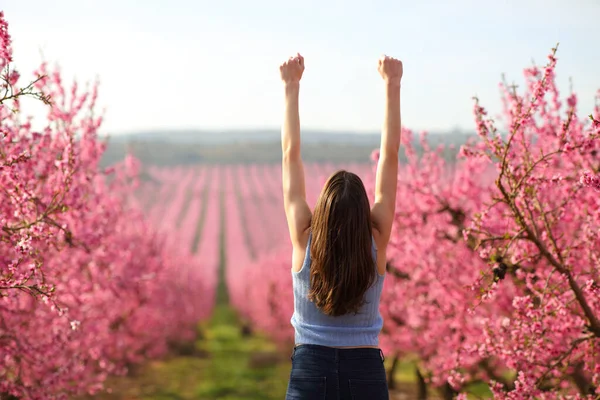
x,y
234,212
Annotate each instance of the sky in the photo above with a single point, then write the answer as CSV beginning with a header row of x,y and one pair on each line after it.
x,y
206,64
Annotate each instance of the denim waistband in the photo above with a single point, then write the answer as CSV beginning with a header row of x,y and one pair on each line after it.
x,y
339,353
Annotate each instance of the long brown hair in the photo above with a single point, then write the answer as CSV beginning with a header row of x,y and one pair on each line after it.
x,y
342,266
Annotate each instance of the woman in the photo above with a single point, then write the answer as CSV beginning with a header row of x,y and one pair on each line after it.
x,y
339,258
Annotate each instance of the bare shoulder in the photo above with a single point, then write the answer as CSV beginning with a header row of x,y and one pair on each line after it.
x,y
299,251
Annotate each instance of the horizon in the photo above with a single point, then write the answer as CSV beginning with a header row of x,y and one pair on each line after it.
x,y
214,66
277,130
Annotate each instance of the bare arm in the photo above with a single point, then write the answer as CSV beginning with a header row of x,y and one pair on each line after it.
x,y
386,181
294,193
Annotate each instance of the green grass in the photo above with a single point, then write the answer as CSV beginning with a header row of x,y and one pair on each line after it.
x,y
241,367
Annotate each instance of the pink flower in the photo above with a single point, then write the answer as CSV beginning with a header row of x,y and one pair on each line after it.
x,y
13,77
5,42
375,155
589,180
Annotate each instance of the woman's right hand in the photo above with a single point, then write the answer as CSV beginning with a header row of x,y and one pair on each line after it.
x,y
390,69
291,70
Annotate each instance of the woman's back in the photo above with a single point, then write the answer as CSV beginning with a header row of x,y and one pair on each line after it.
x,y
312,326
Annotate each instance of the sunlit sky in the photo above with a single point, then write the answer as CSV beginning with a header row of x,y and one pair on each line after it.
x,y
214,64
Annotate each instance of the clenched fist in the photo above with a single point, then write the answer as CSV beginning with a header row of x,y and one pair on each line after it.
x,y
390,69
291,70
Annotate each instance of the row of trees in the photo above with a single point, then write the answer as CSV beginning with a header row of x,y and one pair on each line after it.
x,y
87,287
500,257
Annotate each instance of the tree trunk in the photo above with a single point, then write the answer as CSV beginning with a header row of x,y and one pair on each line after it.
x,y
447,392
390,377
421,386
583,383
246,330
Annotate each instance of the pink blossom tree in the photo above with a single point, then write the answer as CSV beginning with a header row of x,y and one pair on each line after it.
x,y
494,261
87,287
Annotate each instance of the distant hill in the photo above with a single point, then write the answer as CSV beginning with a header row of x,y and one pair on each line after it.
x,y
246,135
182,147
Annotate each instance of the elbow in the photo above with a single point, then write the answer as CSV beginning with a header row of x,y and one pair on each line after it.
x,y
390,151
290,154
390,144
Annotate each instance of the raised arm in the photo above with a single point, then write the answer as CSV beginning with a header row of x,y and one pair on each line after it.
x,y
294,193
386,181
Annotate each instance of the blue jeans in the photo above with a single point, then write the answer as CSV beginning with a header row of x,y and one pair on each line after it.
x,y
327,373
